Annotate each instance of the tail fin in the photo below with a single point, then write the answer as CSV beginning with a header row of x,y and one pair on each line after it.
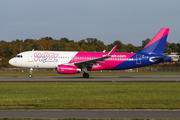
x,y
157,44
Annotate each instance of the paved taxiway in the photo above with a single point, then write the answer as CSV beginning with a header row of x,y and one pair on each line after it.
x,y
93,114
144,78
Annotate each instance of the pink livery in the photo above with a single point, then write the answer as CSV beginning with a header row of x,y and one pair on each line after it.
x,y
75,62
67,69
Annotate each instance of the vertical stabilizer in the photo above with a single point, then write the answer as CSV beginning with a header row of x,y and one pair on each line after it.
x,y
157,44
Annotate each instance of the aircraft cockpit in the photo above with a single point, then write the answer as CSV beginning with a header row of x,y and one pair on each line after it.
x,y
18,56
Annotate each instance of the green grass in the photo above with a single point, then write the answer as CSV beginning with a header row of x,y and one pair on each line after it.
x,y
103,95
78,119
92,73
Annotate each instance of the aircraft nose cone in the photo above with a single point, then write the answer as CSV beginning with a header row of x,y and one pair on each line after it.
x,y
15,62
12,62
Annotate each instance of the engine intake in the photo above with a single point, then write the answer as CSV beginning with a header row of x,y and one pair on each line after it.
x,y
67,69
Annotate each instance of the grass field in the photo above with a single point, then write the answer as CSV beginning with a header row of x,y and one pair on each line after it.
x,y
127,95
78,119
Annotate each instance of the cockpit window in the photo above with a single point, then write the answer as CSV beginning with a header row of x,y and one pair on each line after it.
x,y
19,56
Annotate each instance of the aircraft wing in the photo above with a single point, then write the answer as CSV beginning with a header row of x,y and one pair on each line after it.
x,y
92,62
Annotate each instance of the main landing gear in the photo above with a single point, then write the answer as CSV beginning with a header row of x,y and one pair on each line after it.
x,y
30,73
86,75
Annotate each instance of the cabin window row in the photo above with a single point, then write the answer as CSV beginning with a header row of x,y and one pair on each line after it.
x,y
111,58
107,58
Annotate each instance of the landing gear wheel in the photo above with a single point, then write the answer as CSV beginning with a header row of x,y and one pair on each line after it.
x,y
30,73
30,76
86,75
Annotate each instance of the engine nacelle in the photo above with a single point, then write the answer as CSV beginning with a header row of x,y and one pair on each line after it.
x,y
67,69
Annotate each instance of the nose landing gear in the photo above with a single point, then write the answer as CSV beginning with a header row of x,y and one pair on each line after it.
x,y
30,73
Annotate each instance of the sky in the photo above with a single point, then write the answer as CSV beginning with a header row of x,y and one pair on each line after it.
x,y
129,21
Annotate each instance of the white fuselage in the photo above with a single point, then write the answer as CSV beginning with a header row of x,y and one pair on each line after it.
x,y
41,59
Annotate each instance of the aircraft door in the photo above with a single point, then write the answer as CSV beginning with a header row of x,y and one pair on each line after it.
x,y
138,59
30,57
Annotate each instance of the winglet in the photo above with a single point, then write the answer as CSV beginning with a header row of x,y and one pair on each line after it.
x,y
112,51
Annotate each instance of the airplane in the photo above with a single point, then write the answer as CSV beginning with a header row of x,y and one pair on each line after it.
x,y
67,62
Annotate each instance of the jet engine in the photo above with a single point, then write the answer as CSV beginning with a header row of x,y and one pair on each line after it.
x,y
67,69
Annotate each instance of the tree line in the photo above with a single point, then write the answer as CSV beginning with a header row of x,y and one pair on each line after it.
x,y
11,49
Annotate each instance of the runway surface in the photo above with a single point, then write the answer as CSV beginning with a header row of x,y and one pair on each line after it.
x,y
144,78
93,114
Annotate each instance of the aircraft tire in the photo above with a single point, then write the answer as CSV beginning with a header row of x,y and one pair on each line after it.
x,y
30,76
86,75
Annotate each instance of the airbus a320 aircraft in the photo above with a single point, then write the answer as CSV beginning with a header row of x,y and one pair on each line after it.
x,y
75,62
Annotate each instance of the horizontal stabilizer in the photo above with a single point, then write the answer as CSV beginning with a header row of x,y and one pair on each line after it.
x,y
154,59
